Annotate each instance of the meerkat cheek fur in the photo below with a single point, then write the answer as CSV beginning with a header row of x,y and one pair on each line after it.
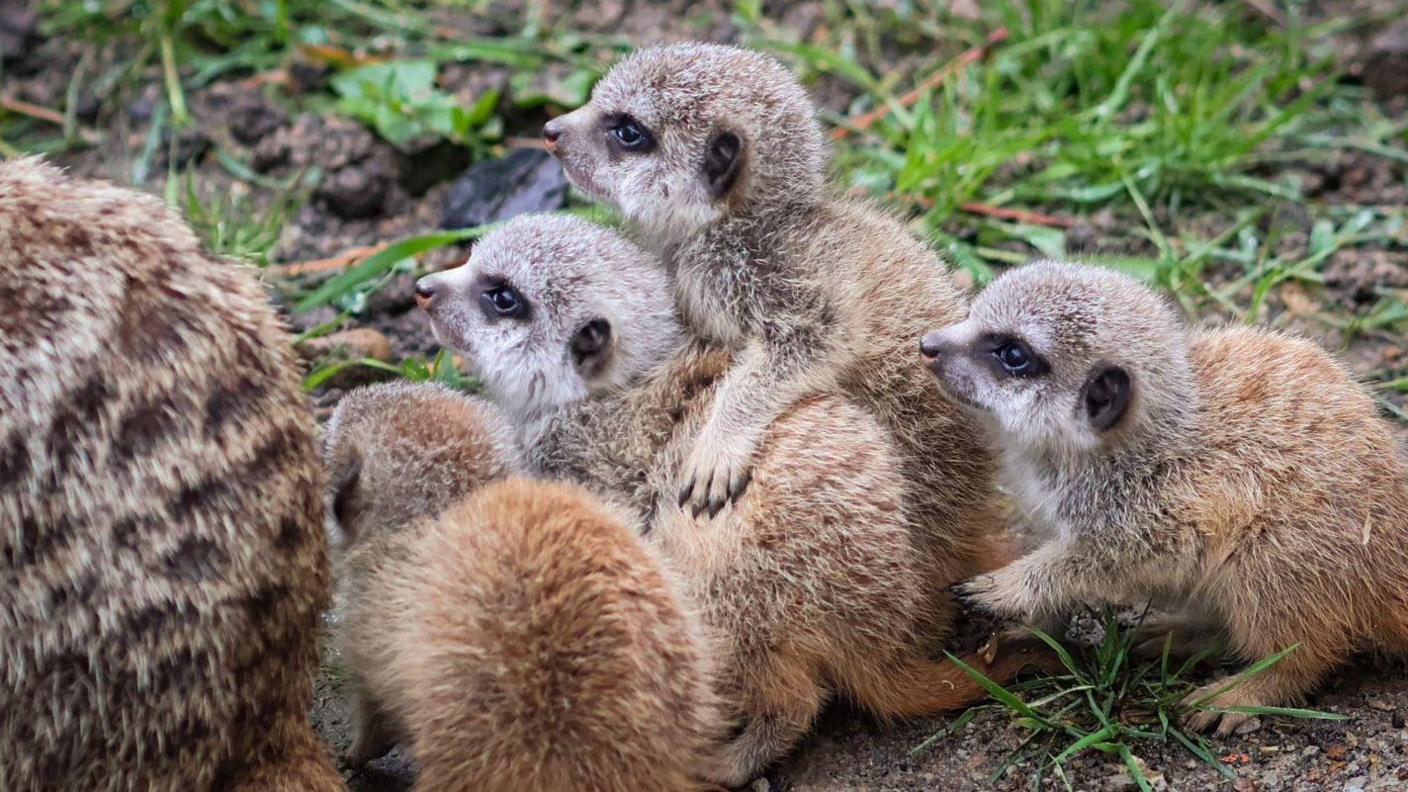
x,y
1240,473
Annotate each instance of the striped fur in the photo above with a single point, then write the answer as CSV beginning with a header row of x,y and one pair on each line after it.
x,y
162,558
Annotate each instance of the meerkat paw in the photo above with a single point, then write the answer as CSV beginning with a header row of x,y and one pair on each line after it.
x,y
716,472
995,593
1205,704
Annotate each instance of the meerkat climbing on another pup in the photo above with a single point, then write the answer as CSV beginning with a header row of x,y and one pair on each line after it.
x,y
162,555
813,585
517,632
715,157
1238,473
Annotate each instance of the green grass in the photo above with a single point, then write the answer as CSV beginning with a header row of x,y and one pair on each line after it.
x,y
1109,702
1181,133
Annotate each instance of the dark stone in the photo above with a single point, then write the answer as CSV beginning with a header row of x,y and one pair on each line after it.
x,y
431,165
253,118
189,146
527,180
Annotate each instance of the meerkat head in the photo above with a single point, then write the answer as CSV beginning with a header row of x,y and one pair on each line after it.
x,y
551,309
1067,356
399,451
677,136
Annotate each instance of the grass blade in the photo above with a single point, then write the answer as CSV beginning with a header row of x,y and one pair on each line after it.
x,y
1002,694
381,263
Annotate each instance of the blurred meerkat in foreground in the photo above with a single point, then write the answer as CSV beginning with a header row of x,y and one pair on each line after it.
x,y
1238,473
162,554
811,583
715,157
518,632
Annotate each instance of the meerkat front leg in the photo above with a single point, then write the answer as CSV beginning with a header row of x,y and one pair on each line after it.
x,y
783,360
1060,575
748,400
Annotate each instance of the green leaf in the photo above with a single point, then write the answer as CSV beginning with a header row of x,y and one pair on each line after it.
x,y
381,263
998,692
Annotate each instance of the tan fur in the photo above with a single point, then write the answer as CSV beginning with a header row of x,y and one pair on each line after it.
x,y
1250,482
162,556
811,293
523,637
813,581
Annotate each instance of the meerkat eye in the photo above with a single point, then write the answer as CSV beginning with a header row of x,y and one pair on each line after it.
x,y
1014,357
503,300
630,135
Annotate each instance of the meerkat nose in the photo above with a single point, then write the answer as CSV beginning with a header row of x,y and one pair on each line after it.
x,y
930,347
425,292
551,132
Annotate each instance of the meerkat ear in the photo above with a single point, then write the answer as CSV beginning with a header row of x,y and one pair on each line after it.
x,y
589,345
723,158
1106,396
344,484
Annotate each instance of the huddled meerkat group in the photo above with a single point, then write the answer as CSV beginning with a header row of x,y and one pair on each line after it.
x,y
728,465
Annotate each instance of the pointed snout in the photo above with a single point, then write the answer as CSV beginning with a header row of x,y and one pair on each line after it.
x,y
426,289
935,346
552,130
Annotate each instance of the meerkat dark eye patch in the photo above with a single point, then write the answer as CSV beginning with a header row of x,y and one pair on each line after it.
x,y
589,345
1106,396
628,134
498,300
723,159
1013,356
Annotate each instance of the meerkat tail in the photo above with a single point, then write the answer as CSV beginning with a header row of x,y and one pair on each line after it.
x,y
913,687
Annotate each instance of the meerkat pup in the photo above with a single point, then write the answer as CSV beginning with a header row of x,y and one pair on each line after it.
x,y
1239,473
812,583
518,632
162,556
715,157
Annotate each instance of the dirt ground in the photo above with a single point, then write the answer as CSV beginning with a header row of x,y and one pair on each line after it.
x,y
373,192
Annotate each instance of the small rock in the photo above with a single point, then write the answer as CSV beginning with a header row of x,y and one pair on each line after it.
x,y
253,118
359,342
1356,784
527,180
188,147
1249,725
360,190
1244,785
760,785
1337,752
1310,750
1396,719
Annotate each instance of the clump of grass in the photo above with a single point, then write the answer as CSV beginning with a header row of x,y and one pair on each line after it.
x,y
1110,702
231,222
441,369
1156,113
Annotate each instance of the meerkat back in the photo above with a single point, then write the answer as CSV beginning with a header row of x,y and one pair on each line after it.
x,y
162,555
518,632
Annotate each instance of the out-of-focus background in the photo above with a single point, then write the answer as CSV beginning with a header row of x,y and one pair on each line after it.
x,y
1250,157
